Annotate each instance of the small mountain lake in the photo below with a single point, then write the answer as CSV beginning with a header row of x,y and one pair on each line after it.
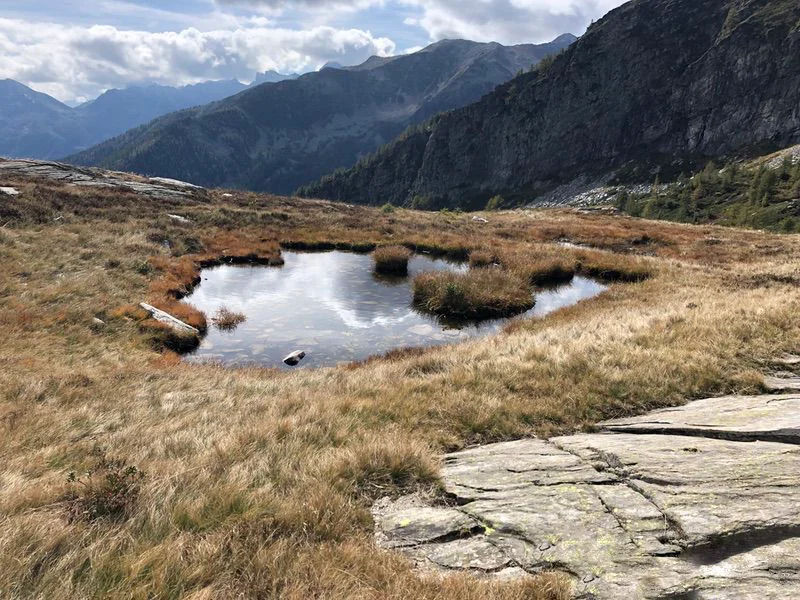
x,y
332,306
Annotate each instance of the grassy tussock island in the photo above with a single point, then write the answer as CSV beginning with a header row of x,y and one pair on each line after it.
x,y
254,483
480,258
475,294
392,260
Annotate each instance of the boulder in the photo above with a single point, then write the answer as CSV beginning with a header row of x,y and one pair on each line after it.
x,y
294,358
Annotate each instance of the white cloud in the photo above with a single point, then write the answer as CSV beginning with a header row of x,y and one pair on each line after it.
x,y
220,39
507,21
504,21
74,62
327,5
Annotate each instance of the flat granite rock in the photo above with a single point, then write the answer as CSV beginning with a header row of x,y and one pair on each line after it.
x,y
788,360
782,384
695,502
743,418
706,488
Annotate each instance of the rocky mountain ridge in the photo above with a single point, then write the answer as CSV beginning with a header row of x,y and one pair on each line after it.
x,y
35,125
655,84
278,137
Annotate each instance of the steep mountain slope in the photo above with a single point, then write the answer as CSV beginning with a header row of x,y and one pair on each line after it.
x,y
654,83
32,123
117,111
36,125
279,136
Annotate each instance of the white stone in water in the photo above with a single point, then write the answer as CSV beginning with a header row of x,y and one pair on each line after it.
x,y
294,358
9,191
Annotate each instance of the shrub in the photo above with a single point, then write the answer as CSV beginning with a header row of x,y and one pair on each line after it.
x,y
421,203
392,260
495,203
475,294
227,320
107,491
387,208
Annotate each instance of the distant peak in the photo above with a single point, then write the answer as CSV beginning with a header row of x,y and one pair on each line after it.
x,y
13,83
565,38
332,65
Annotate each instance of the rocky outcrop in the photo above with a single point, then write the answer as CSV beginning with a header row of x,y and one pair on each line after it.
x,y
693,502
276,137
655,83
97,178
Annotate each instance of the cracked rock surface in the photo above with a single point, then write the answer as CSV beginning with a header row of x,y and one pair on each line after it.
x,y
695,502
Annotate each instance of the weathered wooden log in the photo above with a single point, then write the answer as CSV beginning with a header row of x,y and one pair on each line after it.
x,y
168,319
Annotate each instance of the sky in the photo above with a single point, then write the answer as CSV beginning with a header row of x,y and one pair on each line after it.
x,y
76,49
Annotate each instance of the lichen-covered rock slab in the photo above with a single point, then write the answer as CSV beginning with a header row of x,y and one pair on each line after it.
x,y
694,502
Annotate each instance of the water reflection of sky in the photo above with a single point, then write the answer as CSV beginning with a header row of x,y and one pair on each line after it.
x,y
332,306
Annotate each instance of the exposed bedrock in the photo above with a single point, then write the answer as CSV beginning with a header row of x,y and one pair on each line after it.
x,y
693,502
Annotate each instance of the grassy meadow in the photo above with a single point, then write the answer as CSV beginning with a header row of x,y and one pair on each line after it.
x,y
256,483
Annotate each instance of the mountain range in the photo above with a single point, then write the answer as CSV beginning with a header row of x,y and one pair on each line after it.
x,y
656,86
277,137
35,125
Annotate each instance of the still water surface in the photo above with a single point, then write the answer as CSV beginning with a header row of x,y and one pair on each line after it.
x,y
333,307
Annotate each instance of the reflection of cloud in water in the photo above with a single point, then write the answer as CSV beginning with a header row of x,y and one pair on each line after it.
x,y
579,289
330,304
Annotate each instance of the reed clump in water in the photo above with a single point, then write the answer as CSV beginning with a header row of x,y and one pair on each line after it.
x,y
227,320
392,260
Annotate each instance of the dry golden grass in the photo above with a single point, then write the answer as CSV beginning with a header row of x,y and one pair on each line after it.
x,y
258,483
480,258
391,260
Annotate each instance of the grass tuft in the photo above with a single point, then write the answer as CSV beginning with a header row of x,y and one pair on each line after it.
x,y
476,294
613,267
392,260
481,258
